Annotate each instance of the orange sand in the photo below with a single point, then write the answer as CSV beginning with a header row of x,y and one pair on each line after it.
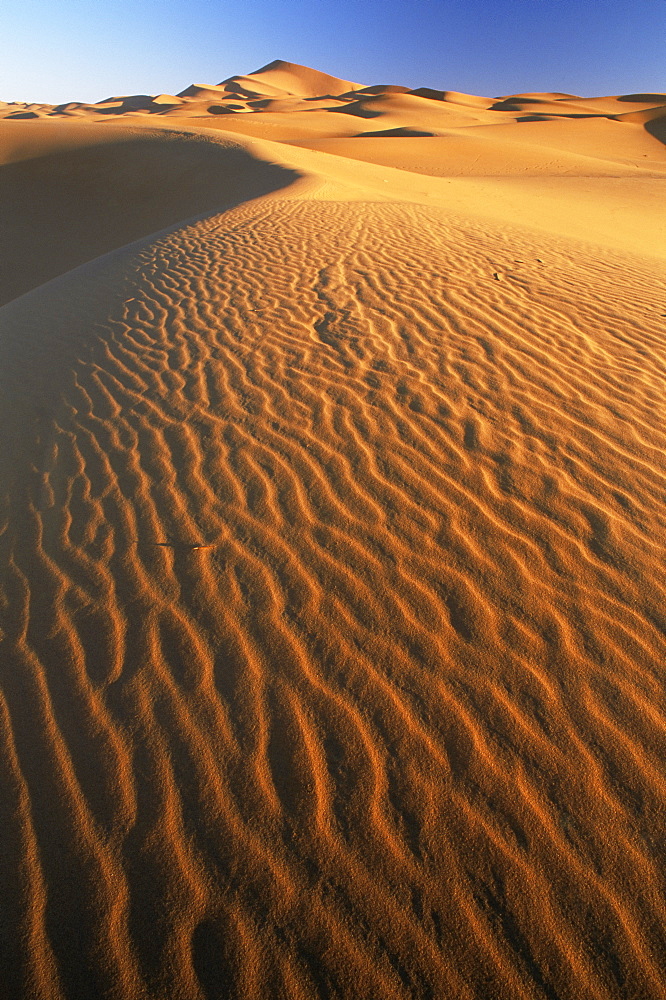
x,y
332,531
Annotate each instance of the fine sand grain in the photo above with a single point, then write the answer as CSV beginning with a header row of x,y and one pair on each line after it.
x,y
332,538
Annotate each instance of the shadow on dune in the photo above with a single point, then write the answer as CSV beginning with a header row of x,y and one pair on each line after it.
x,y
655,125
642,98
68,208
536,118
410,133
59,210
357,109
657,128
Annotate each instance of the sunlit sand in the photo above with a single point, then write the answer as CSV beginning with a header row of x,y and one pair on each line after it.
x,y
332,538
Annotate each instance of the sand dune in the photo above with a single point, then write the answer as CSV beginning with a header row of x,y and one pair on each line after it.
x,y
300,80
131,181
332,533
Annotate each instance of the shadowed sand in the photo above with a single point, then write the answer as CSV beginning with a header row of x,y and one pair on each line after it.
x,y
332,532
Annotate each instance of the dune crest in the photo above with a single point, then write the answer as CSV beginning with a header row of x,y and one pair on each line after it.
x,y
332,534
300,80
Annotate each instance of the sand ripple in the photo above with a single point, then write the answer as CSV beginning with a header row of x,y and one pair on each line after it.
x,y
333,620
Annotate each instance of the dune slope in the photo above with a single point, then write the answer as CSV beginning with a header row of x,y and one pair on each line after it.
x,y
332,621
72,192
406,691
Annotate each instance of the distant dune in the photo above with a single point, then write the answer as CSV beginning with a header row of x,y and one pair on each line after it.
x,y
332,543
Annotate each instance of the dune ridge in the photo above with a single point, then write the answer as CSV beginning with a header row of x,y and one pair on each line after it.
x,y
331,576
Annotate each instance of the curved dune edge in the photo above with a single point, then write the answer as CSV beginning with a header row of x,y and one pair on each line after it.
x,y
332,491
81,180
71,192
75,191
332,613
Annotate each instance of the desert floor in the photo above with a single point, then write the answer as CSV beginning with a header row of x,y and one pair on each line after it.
x,y
332,538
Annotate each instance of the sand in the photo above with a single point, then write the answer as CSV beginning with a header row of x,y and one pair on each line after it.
x,y
332,536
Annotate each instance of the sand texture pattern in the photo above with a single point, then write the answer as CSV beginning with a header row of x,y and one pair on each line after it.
x,y
332,539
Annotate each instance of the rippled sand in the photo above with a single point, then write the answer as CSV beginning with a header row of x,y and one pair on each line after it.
x,y
332,538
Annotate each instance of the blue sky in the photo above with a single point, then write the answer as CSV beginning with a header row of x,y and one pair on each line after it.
x,y
85,50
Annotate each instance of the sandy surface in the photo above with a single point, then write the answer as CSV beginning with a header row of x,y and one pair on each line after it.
x,y
332,531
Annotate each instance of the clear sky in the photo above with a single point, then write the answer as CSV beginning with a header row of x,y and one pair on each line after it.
x,y
86,50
